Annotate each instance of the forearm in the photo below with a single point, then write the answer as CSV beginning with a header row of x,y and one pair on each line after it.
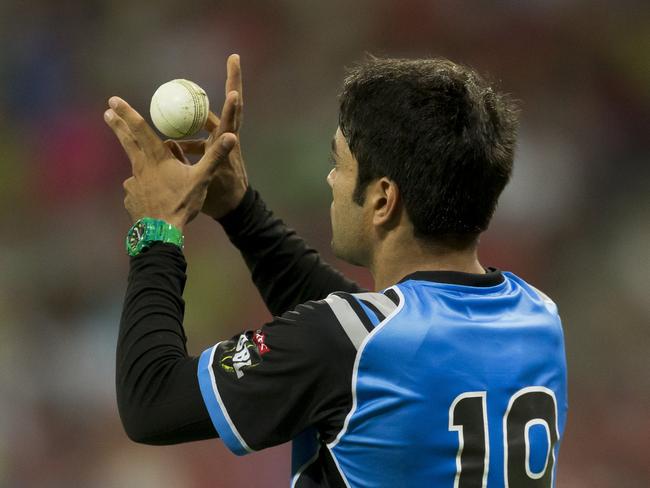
x,y
284,268
157,391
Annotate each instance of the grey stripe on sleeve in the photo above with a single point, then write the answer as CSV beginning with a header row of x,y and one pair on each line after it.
x,y
348,319
384,304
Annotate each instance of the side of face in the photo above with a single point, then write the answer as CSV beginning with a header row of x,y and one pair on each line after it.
x,y
350,223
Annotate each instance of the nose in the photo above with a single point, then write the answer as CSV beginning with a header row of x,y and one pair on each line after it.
x,y
330,178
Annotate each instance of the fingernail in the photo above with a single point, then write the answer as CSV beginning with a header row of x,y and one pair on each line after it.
x,y
108,115
113,102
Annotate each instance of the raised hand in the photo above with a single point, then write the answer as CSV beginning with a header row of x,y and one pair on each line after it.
x,y
164,186
229,182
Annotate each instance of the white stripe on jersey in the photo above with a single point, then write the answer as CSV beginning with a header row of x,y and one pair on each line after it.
x,y
349,320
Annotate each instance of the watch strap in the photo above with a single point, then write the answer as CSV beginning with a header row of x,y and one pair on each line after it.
x,y
147,230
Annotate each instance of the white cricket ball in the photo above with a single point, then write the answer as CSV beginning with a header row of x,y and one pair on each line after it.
x,y
179,108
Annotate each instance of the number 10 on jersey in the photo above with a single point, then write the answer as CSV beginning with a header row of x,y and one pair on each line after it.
x,y
527,408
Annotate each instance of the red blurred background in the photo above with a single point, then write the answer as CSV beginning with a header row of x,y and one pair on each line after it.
x,y
575,221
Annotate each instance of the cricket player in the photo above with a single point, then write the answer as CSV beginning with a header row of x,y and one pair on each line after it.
x,y
447,374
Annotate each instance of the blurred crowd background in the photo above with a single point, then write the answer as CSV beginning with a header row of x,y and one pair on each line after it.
x,y
575,220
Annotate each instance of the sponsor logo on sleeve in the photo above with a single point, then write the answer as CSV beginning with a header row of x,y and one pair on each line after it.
x,y
238,356
259,338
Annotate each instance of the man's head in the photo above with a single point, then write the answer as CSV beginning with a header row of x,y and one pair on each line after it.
x,y
431,144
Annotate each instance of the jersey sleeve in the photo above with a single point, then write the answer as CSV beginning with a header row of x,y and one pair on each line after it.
x,y
285,270
264,387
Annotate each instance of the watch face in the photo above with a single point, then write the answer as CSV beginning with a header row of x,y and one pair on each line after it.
x,y
136,235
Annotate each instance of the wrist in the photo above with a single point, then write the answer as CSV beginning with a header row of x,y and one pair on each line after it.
x,y
219,207
238,211
176,224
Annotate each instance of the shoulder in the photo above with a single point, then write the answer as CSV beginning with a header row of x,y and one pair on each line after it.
x,y
382,304
312,329
357,314
341,318
535,293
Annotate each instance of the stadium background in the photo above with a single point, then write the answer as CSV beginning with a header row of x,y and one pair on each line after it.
x,y
574,221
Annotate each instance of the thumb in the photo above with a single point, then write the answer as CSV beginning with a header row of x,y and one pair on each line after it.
x,y
217,152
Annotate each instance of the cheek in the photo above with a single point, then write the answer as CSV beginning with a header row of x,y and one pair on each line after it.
x,y
337,208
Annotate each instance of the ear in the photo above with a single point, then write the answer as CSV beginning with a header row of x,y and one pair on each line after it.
x,y
386,202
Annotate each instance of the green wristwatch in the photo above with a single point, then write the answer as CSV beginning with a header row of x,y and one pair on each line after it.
x,y
146,231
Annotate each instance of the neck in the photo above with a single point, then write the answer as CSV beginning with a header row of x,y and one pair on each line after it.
x,y
392,261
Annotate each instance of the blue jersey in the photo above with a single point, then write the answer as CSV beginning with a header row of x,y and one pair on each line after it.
x,y
443,380
460,386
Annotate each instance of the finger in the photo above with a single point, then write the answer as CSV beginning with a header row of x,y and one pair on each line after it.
x,y
143,134
234,78
228,113
212,123
192,146
176,150
239,115
234,83
124,135
215,154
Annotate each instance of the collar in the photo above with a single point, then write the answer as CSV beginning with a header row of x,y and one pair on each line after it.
x,y
492,277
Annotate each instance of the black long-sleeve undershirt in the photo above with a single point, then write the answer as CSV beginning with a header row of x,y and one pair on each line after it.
x,y
158,396
285,270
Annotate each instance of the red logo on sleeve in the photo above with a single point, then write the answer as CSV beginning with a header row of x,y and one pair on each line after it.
x,y
258,338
